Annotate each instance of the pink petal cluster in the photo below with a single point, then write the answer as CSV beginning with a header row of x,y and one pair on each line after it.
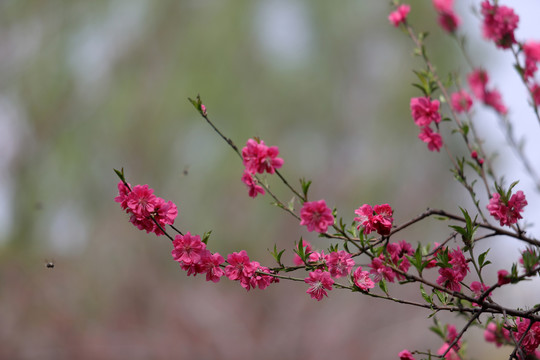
x,y
193,257
431,138
145,207
478,289
251,183
316,216
406,355
424,111
340,263
362,279
535,91
448,20
319,281
399,16
378,218
531,49
531,338
241,269
451,335
259,158
461,101
503,277
451,277
507,212
497,334
382,266
499,24
478,80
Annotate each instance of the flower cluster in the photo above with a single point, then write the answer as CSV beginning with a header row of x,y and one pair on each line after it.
x,y
191,253
497,334
448,20
531,49
451,276
378,218
319,281
478,80
507,211
148,212
258,158
499,24
451,335
400,15
531,338
241,269
316,216
461,101
424,111
382,267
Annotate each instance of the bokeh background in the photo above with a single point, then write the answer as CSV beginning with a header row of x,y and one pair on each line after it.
x,y
88,86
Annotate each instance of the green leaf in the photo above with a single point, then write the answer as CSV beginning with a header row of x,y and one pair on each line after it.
x,y
443,297
206,236
290,204
482,258
382,285
305,187
120,174
425,296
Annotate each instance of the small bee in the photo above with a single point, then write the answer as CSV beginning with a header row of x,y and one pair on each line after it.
x,y
185,171
49,264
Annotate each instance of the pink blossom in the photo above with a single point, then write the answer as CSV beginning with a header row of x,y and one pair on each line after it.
x,y
400,15
164,214
123,192
451,355
258,158
535,91
496,334
378,218
451,335
141,201
203,110
316,216
449,21
503,277
210,264
531,338
478,80
340,263
424,111
240,268
262,281
433,139
317,258
451,277
530,69
406,355
478,289
461,101
188,249
507,213
532,50
362,279
319,282
493,98
443,5
251,183
499,24
379,270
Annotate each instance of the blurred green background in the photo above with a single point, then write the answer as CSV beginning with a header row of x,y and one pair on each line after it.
x,y
88,86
